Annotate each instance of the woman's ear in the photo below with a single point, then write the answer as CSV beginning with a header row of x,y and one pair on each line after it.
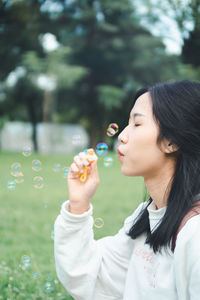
x,y
171,148
168,147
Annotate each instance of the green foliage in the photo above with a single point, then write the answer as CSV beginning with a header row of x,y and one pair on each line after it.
x,y
53,65
27,218
119,54
110,96
104,56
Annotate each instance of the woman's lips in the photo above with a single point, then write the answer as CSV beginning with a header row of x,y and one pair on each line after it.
x,y
121,155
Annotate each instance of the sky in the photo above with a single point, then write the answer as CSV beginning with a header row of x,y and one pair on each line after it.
x,y
167,28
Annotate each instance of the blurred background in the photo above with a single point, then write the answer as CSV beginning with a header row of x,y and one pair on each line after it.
x,y
68,69
80,62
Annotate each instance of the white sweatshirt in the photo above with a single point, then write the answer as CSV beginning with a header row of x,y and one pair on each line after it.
x,y
120,268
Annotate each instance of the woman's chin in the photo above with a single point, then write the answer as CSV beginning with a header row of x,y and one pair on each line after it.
x,y
127,172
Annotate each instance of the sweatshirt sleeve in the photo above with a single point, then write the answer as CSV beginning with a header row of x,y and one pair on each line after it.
x,y
90,269
187,260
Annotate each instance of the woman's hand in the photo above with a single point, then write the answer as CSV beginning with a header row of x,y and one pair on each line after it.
x,y
81,193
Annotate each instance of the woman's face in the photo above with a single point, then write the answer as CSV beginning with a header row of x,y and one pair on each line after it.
x,y
140,154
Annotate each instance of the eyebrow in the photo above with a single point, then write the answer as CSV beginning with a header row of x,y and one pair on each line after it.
x,y
137,115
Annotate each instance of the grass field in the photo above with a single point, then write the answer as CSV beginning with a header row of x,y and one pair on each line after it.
x,y
27,217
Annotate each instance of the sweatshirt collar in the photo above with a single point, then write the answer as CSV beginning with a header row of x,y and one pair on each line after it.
x,y
155,215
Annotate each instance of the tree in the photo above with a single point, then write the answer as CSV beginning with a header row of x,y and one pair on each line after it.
x,y
34,91
111,56
186,15
119,54
22,24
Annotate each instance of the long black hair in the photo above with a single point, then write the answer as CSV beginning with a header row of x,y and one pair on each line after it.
x,y
176,109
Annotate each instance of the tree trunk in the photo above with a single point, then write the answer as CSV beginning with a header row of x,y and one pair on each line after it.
x,y
47,103
93,139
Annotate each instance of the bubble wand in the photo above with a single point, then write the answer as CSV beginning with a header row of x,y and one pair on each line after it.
x,y
91,157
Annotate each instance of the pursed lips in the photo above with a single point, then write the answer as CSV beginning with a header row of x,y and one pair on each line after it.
x,y
119,152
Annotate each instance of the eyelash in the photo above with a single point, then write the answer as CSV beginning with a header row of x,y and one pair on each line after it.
x,y
135,125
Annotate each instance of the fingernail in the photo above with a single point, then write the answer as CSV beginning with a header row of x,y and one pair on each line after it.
x,y
85,163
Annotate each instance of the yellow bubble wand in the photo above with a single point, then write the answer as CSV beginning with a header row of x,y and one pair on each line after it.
x,y
91,157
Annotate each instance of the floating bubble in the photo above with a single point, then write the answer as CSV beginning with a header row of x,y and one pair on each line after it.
x,y
11,185
98,222
48,277
113,128
49,287
26,262
36,165
65,172
27,151
52,234
16,169
76,139
38,182
19,179
102,149
35,274
57,167
108,161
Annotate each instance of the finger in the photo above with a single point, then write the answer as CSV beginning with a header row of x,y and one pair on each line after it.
x,y
91,156
83,158
79,163
72,175
93,170
74,169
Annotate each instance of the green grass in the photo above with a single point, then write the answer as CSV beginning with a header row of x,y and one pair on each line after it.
x,y
27,217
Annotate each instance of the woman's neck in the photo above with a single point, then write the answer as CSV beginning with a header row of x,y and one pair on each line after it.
x,y
159,186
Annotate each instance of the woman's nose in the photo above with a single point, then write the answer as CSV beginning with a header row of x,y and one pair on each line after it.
x,y
122,137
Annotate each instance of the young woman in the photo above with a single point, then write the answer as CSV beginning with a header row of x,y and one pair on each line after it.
x,y
161,143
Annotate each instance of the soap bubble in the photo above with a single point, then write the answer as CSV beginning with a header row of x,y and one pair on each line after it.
x,y
57,167
49,287
26,262
48,277
16,169
38,182
76,139
35,274
11,185
102,149
108,161
27,151
36,165
19,179
113,128
65,172
98,222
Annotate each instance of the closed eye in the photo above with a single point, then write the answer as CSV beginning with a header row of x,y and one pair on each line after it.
x,y
136,125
